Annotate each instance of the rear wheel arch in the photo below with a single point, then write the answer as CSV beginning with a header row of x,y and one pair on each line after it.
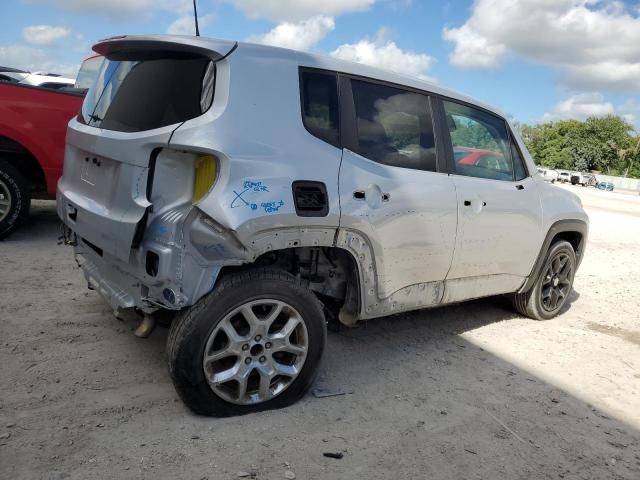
x,y
284,258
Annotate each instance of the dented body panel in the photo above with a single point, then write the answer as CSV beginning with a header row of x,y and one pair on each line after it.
x,y
144,241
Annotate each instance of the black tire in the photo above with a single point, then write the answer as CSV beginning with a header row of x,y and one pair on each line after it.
x,y
533,303
191,329
13,185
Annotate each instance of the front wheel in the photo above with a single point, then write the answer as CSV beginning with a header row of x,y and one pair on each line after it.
x,y
254,343
14,199
549,293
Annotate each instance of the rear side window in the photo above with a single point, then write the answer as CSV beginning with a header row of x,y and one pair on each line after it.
x,y
320,112
393,126
481,146
132,96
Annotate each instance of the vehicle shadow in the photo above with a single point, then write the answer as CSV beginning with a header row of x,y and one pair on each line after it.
x,y
418,399
434,394
42,223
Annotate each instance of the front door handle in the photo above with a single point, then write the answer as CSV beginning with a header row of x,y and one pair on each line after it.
x,y
519,187
467,203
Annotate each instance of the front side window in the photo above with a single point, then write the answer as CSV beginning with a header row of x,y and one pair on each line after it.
x,y
481,146
133,96
393,126
518,162
320,105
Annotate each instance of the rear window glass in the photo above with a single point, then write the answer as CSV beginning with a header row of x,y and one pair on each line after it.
x,y
132,96
88,71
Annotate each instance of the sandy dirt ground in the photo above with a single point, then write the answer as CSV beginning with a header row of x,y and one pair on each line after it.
x,y
472,391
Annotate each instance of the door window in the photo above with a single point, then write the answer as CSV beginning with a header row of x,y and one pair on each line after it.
x,y
393,126
320,105
481,146
518,162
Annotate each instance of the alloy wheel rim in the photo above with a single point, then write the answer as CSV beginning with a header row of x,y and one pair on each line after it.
x,y
5,200
256,352
556,283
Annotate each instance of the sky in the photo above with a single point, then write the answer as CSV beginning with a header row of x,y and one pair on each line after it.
x,y
536,60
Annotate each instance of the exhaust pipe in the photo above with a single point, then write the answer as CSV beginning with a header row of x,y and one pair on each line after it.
x,y
145,327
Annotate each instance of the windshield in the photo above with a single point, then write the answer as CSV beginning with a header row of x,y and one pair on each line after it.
x,y
138,95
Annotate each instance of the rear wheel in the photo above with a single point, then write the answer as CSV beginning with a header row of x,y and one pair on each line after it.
x,y
252,344
552,287
14,199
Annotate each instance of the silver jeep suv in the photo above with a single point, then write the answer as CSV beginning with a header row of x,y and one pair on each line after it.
x,y
260,193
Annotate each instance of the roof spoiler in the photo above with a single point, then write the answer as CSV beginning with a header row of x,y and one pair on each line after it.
x,y
131,47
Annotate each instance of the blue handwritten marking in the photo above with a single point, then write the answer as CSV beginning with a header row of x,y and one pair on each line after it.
x,y
248,185
270,207
235,203
255,186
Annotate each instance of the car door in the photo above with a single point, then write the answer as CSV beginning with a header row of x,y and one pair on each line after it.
x,y
391,189
499,212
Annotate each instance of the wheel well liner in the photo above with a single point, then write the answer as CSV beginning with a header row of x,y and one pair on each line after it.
x,y
573,231
353,273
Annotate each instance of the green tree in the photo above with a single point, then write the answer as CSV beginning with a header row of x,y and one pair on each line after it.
x,y
599,143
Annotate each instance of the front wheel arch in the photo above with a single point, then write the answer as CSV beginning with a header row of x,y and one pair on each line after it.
x,y
574,231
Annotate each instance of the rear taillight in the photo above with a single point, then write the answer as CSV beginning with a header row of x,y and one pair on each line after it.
x,y
205,176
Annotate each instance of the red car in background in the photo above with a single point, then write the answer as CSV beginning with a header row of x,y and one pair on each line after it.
x,y
481,163
33,126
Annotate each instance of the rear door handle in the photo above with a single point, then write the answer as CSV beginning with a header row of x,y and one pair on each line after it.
x,y
519,187
362,195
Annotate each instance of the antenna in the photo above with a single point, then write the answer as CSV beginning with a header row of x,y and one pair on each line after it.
x,y
195,17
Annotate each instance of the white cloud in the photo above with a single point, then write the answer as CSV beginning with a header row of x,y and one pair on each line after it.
x,y
115,8
630,111
580,107
472,49
298,36
123,9
296,10
594,42
35,59
185,24
384,53
44,34
612,74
